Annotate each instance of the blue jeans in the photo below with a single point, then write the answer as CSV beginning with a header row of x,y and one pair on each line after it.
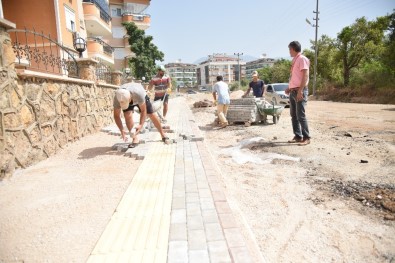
x,y
298,114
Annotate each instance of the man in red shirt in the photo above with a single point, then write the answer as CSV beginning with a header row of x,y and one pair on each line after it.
x,y
298,92
162,86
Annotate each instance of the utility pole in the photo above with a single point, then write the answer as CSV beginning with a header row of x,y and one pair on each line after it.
x,y
316,49
238,65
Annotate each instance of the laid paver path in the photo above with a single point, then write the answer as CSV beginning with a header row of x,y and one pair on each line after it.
x,y
175,209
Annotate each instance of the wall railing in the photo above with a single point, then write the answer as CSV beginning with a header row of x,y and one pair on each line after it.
x,y
39,52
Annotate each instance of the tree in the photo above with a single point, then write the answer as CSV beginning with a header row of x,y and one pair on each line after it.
x,y
389,43
146,53
360,41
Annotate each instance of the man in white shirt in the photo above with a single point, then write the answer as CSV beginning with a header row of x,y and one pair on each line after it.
x,y
222,90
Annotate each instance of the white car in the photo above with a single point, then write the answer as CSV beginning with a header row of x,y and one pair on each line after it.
x,y
276,92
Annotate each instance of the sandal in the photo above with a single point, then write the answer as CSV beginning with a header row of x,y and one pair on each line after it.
x,y
164,139
132,145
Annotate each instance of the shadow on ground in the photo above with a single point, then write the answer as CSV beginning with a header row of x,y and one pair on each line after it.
x,y
96,151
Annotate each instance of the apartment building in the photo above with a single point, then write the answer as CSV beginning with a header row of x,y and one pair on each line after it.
x,y
126,11
62,19
258,64
184,74
98,22
230,67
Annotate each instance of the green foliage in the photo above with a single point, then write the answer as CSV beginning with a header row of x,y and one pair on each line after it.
x,y
278,73
362,41
146,53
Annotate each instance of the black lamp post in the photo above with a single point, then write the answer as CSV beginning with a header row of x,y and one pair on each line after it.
x,y
79,45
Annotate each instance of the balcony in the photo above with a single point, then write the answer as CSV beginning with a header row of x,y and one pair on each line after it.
x,y
97,48
97,19
142,21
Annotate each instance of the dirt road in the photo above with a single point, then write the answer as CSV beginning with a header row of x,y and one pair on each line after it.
x,y
317,203
330,201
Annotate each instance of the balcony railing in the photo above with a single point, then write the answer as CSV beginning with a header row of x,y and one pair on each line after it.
x,y
129,17
109,50
103,13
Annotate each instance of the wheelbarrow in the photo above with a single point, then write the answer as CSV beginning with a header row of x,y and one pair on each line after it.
x,y
266,109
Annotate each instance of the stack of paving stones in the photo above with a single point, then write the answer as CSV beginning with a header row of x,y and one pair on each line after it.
x,y
137,152
244,110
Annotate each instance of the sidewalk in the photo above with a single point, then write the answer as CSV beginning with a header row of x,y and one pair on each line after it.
x,y
175,209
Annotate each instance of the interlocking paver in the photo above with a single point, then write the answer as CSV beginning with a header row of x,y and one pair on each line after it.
x,y
197,239
175,209
199,256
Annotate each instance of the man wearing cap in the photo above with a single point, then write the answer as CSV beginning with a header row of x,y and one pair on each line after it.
x,y
257,85
162,86
127,97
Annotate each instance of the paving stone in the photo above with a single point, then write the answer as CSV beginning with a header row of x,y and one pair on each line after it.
x,y
240,255
222,207
178,252
214,232
219,196
178,216
207,205
193,209
227,221
195,222
178,232
218,251
192,198
197,239
233,237
199,256
205,193
210,216
178,203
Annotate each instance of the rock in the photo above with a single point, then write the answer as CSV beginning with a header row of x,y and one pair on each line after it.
x,y
359,198
201,104
389,205
389,217
347,134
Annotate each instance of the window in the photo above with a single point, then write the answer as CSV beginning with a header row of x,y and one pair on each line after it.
x,y
116,11
70,19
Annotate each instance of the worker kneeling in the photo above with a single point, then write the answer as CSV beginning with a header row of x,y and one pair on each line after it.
x,y
127,97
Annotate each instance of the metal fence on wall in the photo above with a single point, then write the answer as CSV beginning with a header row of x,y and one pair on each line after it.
x,y
103,71
38,52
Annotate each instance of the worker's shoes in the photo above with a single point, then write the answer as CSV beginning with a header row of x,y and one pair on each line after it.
x,y
296,140
304,142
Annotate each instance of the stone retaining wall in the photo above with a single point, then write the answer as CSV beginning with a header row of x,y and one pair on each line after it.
x,y
39,116
41,113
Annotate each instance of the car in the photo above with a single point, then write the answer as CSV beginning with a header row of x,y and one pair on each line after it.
x,y
276,92
202,88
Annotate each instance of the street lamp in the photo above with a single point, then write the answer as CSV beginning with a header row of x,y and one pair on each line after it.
x,y
79,45
238,65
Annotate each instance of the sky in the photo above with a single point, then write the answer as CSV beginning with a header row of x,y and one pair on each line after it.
x,y
189,30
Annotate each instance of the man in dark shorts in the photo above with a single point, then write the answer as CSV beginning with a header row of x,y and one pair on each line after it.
x,y
127,97
162,86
